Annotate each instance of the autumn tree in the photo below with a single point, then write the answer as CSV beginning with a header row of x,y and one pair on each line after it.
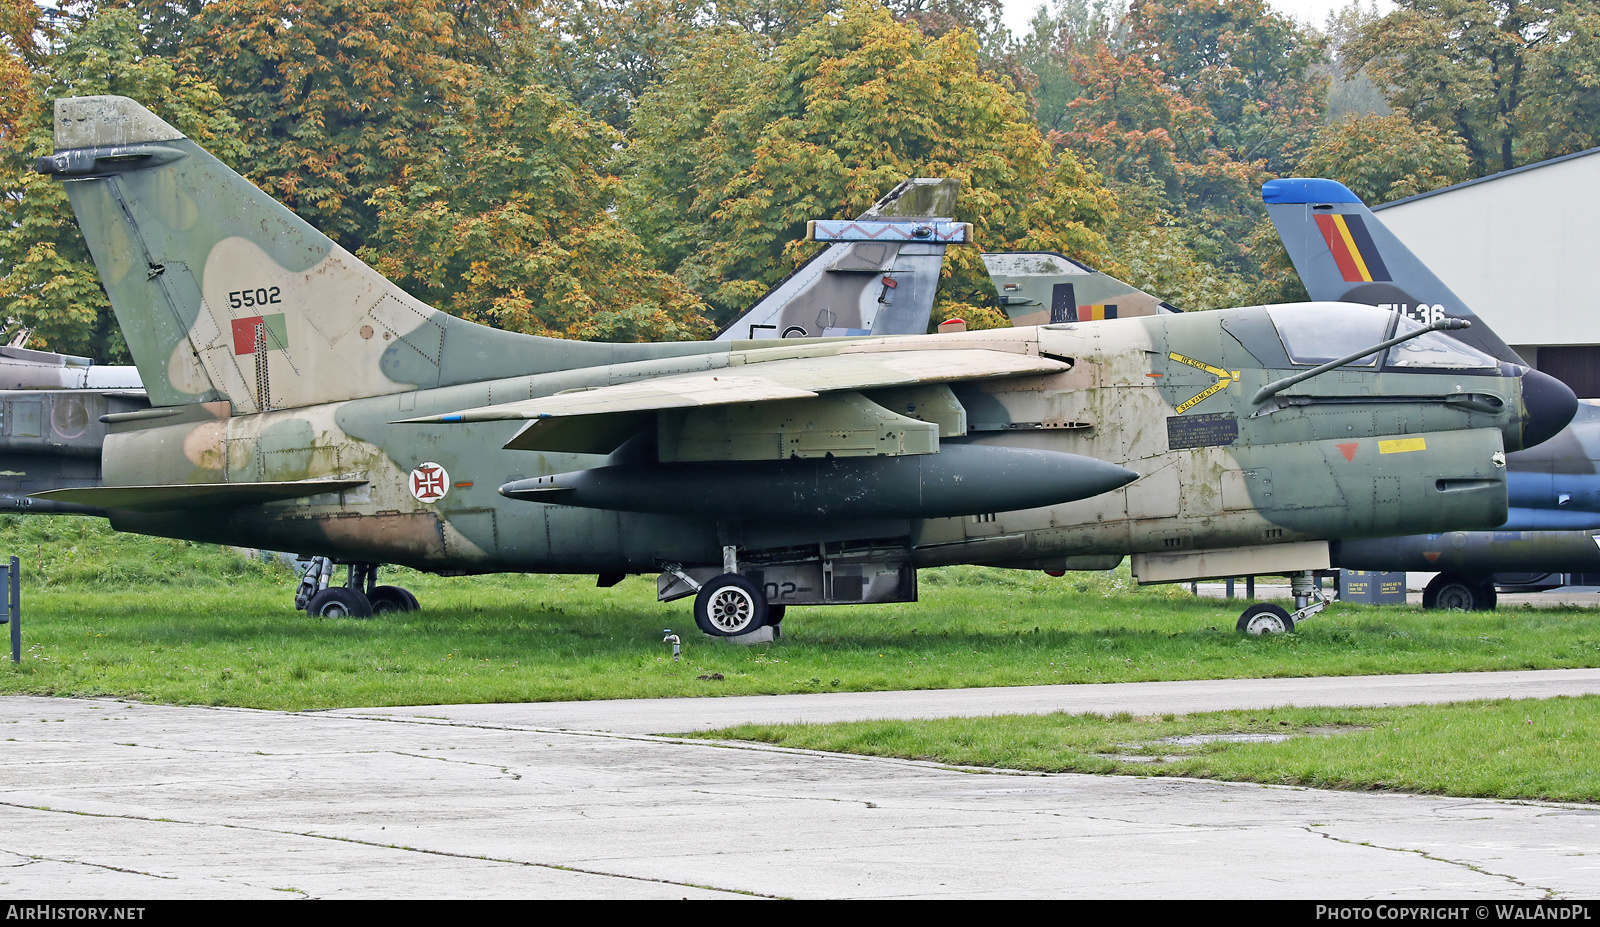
x,y
1517,80
1247,66
1202,102
1055,39
508,223
751,145
1385,158
605,54
18,55
48,283
336,98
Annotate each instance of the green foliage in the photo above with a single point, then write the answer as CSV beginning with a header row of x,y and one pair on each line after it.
x,y
48,282
19,19
84,553
1208,99
1247,66
506,221
752,145
335,99
1054,40
1384,158
1517,80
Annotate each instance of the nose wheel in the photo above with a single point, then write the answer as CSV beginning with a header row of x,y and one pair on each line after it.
x,y
1266,618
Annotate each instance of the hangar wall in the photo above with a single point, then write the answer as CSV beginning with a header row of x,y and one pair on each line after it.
x,y
1522,248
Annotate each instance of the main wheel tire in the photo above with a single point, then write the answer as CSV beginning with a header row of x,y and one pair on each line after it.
x,y
1454,590
1265,618
730,605
388,599
775,614
339,602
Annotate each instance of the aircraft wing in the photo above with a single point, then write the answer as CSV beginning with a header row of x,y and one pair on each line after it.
x,y
596,421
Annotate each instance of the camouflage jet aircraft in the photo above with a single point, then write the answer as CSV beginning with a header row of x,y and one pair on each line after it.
x,y
1342,251
51,436
300,401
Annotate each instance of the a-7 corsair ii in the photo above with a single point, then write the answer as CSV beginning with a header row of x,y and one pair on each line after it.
x,y
1342,251
300,401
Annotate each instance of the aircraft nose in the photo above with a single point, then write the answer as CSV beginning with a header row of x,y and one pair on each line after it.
x,y
1548,405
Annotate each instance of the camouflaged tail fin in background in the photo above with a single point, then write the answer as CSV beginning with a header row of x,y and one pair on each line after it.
x,y
1045,288
223,293
882,287
1343,253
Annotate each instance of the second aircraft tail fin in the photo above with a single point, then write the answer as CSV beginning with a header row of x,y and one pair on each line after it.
x,y
1042,287
881,283
1343,253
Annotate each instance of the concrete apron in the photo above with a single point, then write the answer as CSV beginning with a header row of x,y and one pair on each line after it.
x,y
105,799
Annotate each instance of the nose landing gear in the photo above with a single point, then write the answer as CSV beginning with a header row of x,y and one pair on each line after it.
x,y
1266,618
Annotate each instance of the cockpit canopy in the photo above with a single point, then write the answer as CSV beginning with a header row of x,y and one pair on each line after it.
x,y
1312,334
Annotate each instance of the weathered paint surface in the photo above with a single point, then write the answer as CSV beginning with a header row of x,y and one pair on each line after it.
x,y
357,382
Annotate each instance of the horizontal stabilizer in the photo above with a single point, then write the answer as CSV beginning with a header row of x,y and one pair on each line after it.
x,y
1046,288
193,495
938,231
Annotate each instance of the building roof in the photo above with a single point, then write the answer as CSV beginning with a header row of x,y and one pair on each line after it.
x,y
1467,183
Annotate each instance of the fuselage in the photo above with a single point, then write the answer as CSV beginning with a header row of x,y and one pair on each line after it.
x,y
1358,452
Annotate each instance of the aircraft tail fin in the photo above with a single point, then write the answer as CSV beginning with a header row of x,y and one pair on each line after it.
x,y
1344,253
1043,287
882,283
223,293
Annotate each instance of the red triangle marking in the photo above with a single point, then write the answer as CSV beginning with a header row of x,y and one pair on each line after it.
x,y
1349,451
1431,555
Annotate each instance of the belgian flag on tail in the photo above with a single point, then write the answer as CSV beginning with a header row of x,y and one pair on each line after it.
x,y
1352,248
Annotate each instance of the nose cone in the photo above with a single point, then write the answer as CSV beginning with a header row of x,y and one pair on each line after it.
x,y
1548,405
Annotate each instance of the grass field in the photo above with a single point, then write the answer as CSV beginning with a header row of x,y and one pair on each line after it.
x,y
1538,749
108,614
166,621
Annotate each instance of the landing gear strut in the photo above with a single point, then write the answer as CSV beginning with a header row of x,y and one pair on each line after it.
x,y
1266,618
359,597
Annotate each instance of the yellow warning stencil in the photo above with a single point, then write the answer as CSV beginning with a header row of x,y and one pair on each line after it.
x,y
1224,378
1401,445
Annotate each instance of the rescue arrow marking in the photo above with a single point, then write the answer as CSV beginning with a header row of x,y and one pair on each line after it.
x,y
1224,379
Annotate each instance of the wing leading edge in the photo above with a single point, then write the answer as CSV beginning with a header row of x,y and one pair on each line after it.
x,y
597,421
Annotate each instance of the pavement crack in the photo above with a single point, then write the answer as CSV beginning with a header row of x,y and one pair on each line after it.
x,y
505,770
35,858
374,844
1549,893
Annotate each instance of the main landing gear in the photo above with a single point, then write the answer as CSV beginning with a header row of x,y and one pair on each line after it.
x,y
1266,618
359,597
729,604
1458,590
